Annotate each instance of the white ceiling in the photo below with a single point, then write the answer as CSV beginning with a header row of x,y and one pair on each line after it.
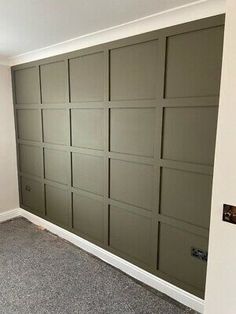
x,y
27,25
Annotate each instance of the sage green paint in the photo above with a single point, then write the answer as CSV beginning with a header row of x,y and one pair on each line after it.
x,y
26,82
189,134
32,195
87,128
56,165
130,234
132,183
57,205
55,126
88,173
133,71
175,255
87,78
186,196
88,217
116,143
31,160
53,82
29,124
188,76
132,131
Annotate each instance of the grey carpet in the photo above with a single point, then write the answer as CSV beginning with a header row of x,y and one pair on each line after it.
x,y
41,273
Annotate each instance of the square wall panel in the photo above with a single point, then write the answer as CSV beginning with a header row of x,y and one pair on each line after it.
x,y
29,124
27,86
57,207
57,165
193,63
88,217
31,160
87,128
87,78
132,131
130,234
189,134
186,196
88,173
56,126
133,71
32,195
54,82
131,183
175,257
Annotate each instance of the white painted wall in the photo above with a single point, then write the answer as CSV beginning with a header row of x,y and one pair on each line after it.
x,y
8,175
221,276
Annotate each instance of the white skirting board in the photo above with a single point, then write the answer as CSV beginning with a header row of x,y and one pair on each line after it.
x,y
153,281
9,214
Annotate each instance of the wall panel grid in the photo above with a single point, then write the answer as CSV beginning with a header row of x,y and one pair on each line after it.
x,y
116,143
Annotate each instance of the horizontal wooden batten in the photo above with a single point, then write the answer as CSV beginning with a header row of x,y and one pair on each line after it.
x,y
129,157
133,103
192,167
131,208
190,102
202,232
93,105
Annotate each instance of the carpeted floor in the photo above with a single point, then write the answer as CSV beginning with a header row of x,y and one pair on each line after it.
x,y
41,273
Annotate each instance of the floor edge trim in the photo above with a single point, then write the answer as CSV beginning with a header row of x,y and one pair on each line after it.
x,y
9,214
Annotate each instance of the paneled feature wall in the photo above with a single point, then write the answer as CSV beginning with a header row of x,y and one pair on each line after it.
x,y
116,143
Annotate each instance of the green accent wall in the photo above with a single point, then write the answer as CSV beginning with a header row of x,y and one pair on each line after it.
x,y
116,144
